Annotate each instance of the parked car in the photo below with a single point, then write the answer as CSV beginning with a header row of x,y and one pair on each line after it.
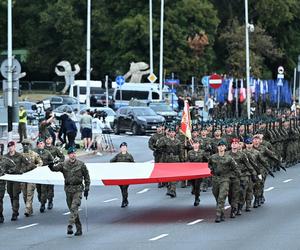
x,y
138,120
99,100
56,101
68,108
33,114
165,110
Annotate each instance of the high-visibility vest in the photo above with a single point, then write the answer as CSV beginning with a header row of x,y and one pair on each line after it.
x,y
24,119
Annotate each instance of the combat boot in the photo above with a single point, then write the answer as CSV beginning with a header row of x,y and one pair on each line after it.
x,y
262,199
183,184
222,216
232,212
14,217
42,208
26,214
70,229
50,204
255,204
239,211
1,218
124,202
78,232
197,201
171,193
78,227
218,219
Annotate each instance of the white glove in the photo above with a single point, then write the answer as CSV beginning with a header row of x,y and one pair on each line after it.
x,y
260,177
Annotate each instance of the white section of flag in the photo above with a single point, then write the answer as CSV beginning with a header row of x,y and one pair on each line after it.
x,y
215,81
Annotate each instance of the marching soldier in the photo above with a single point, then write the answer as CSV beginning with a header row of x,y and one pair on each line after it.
x,y
14,188
75,172
123,156
47,158
28,188
173,153
196,155
58,156
222,165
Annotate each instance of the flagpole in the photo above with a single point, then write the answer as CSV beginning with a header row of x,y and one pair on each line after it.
x,y
247,58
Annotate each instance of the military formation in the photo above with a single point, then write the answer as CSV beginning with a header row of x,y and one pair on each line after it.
x,y
77,180
240,154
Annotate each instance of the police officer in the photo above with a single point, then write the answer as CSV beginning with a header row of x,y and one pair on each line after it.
x,y
58,157
14,188
47,158
22,124
123,156
75,172
28,188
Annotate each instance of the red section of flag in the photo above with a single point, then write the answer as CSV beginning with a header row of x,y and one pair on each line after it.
x,y
186,121
168,172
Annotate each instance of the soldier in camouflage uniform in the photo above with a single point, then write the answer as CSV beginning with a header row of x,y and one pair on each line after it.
x,y
58,157
123,156
47,158
173,152
221,165
28,188
152,145
75,172
7,166
196,155
239,185
14,188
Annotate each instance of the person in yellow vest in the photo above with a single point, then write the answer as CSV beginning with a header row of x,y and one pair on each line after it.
x,y
22,124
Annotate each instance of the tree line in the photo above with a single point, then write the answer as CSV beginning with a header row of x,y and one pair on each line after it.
x,y
200,36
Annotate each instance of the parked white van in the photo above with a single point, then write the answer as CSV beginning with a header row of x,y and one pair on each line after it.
x,y
96,88
144,92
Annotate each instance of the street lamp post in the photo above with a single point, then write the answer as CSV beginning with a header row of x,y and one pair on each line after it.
x,y
247,58
298,69
161,49
88,54
150,37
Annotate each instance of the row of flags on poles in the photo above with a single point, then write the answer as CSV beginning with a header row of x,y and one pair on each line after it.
x,y
267,90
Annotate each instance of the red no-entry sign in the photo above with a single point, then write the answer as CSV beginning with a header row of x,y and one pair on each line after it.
x,y
215,81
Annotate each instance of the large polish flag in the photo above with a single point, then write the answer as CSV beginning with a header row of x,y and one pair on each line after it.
x,y
120,173
185,127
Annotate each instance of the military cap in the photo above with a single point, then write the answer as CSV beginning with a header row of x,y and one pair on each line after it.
x,y
195,128
40,139
195,140
161,124
48,136
11,143
257,136
71,150
123,144
221,143
248,140
26,141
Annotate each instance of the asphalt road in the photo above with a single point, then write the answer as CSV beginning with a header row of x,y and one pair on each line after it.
x,y
155,221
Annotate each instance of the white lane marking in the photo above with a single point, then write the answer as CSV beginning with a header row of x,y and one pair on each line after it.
x,y
114,199
269,189
158,237
288,180
70,212
194,222
226,207
31,225
143,191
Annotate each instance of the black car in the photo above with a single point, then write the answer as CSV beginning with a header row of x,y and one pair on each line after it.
x,y
99,100
165,110
138,120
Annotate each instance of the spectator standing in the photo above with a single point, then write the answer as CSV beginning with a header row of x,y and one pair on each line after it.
x,y
86,130
180,103
210,106
71,131
97,134
22,124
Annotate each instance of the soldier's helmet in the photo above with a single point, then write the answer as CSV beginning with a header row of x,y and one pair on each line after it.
x,y
27,142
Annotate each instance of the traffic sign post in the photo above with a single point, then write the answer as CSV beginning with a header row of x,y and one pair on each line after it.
x,y
280,77
215,81
120,80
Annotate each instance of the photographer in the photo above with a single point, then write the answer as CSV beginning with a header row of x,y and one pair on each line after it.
x,y
46,126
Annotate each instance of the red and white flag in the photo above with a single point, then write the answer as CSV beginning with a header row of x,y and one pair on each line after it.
x,y
120,173
185,127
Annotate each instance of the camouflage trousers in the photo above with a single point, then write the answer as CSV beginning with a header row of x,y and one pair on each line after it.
x,y
124,191
28,193
2,193
220,188
196,184
45,192
246,191
14,190
73,201
258,187
234,192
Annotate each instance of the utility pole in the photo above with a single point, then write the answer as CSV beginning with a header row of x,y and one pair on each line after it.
x,y
161,50
88,54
